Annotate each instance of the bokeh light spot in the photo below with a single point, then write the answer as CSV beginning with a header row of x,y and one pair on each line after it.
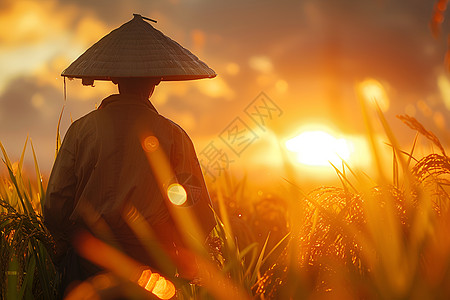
x,y
150,143
374,93
261,63
163,288
439,120
410,110
177,194
151,282
144,278
232,68
37,100
102,282
444,87
281,85
424,108
158,285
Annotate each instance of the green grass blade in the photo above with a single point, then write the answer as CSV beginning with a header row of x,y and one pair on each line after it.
x,y
243,253
5,156
20,165
18,190
39,178
13,177
12,273
371,137
27,286
20,180
395,168
343,178
410,155
259,262
391,137
314,202
43,261
276,247
58,135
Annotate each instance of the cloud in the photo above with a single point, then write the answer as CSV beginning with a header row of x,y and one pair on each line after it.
x,y
215,88
34,36
305,54
29,22
261,63
30,109
26,105
41,35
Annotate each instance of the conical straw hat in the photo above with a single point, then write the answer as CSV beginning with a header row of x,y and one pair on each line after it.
x,y
137,49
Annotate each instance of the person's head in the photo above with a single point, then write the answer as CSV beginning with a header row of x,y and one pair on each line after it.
x,y
141,86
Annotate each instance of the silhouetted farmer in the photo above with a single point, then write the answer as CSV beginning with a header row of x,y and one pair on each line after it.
x,y
119,163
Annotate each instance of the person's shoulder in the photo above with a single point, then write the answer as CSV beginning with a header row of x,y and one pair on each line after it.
x,y
83,126
177,128
84,120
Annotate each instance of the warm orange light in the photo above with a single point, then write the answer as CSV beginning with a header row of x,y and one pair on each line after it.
x,y
84,290
154,277
158,285
164,289
145,277
443,82
102,282
177,194
319,148
261,63
120,264
374,93
215,88
150,143
281,85
232,68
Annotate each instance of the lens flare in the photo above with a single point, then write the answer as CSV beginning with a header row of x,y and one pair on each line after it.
x,y
318,148
154,277
150,143
163,288
84,290
158,285
177,194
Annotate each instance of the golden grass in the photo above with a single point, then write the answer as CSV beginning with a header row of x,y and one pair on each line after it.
x,y
364,239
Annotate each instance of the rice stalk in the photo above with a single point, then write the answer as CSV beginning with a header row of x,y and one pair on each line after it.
x,y
26,269
374,240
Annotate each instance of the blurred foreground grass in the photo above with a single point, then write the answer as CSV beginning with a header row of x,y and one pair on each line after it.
x,y
382,238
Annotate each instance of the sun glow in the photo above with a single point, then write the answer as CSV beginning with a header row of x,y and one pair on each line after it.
x,y
374,93
319,148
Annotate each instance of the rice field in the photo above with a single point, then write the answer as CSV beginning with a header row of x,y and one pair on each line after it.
x,y
368,238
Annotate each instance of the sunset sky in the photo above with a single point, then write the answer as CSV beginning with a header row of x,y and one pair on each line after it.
x,y
309,58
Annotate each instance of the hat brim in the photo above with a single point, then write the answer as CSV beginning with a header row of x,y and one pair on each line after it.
x,y
137,49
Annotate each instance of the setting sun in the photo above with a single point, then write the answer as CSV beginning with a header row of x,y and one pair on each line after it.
x,y
224,150
319,148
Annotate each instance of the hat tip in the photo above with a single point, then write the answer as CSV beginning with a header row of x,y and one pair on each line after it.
x,y
139,16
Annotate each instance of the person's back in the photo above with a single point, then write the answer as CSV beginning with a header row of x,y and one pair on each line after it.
x,y
108,154
105,169
120,162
